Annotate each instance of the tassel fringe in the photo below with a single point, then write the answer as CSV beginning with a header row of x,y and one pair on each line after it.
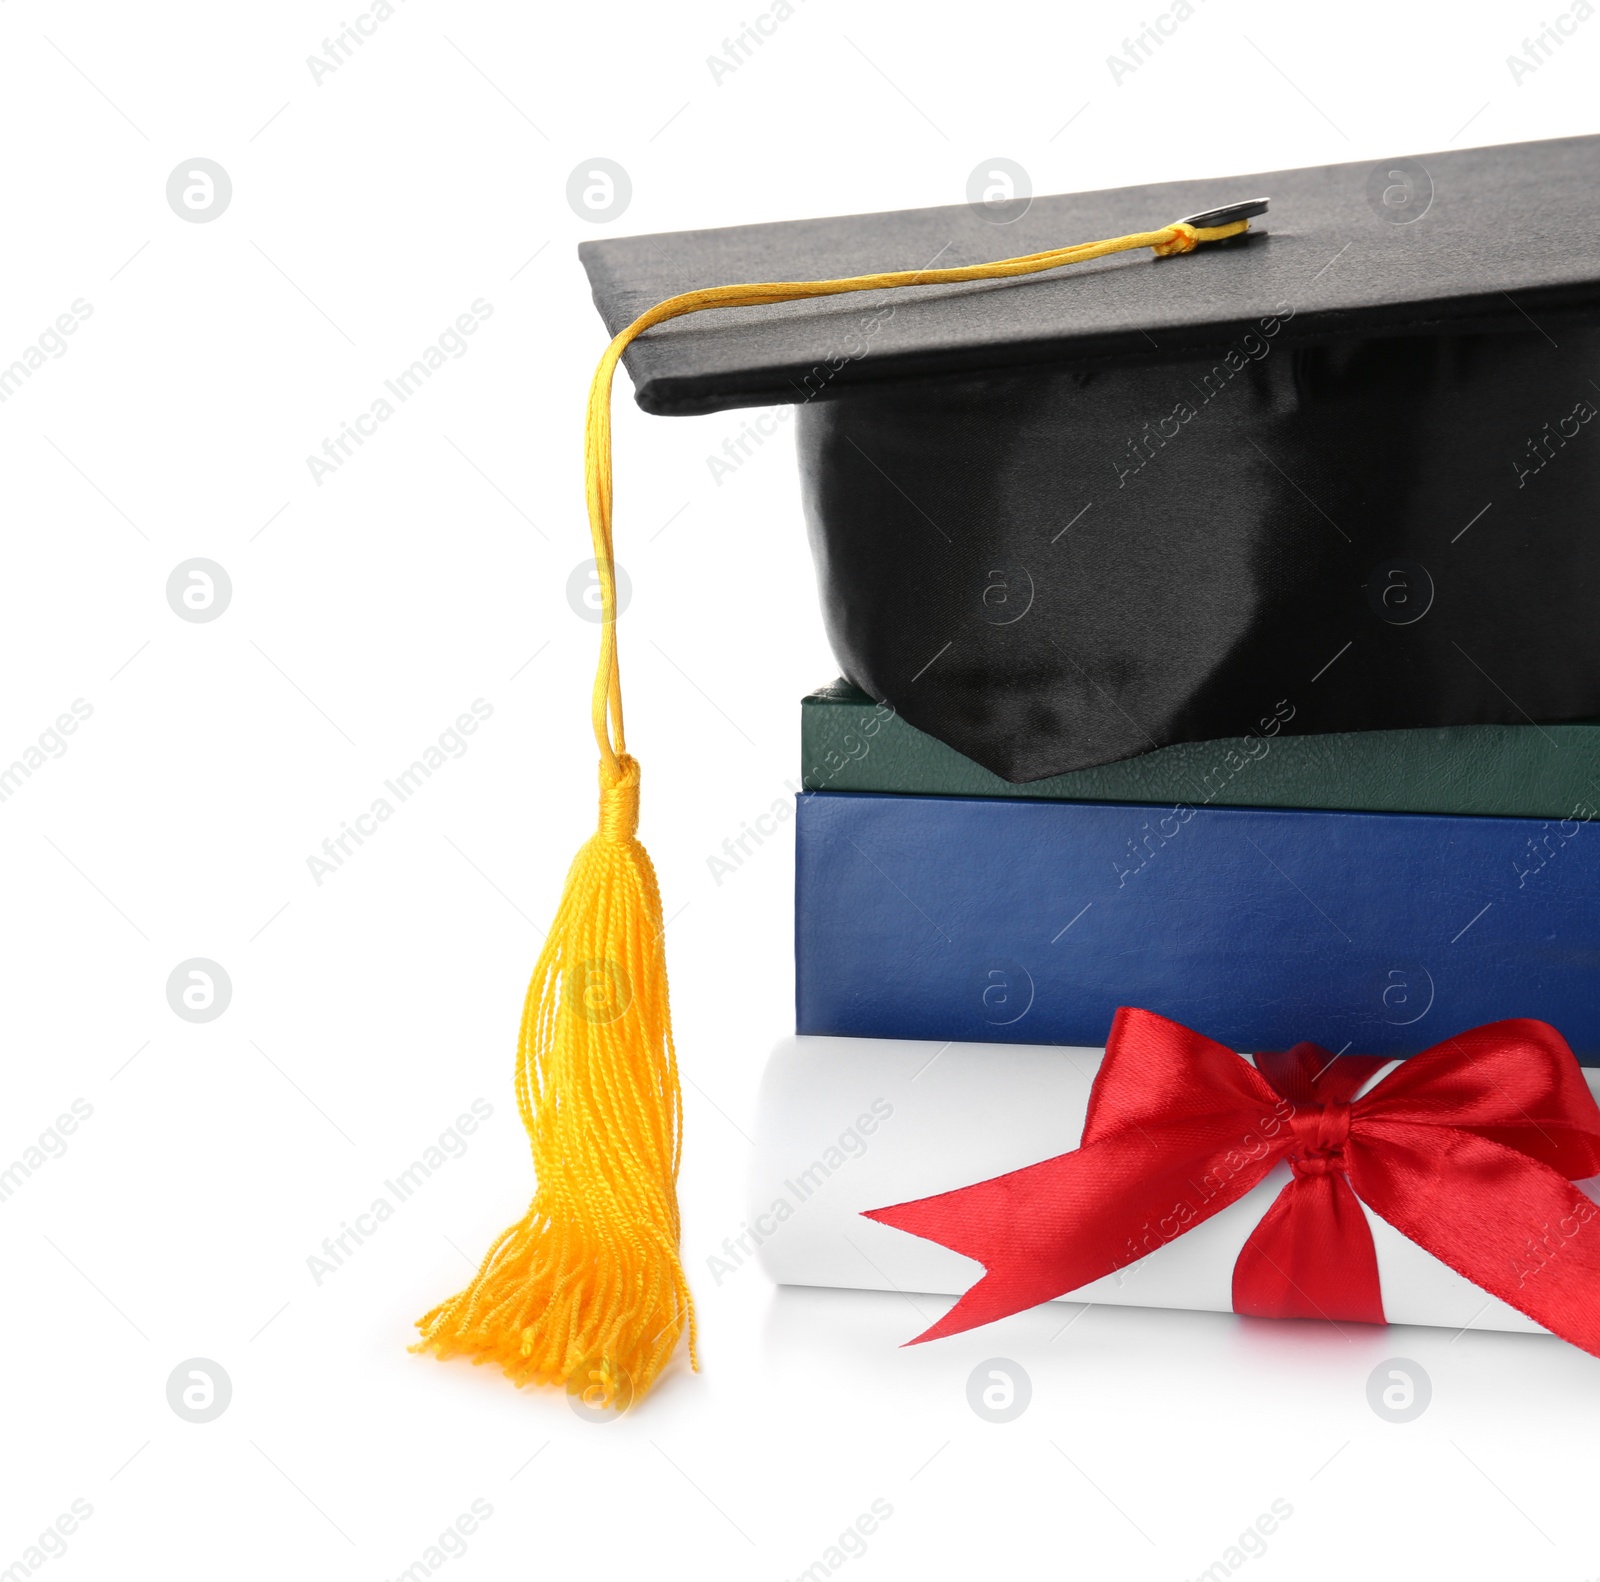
x,y
587,1289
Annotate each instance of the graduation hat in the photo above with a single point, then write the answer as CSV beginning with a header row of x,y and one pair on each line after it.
x,y
1068,505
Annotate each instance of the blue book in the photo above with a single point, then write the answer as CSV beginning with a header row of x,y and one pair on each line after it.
x,y
1031,922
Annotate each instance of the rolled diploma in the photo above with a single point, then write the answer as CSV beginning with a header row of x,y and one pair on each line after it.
x,y
849,1124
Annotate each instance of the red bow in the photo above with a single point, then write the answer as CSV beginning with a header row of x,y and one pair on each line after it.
x,y
1467,1149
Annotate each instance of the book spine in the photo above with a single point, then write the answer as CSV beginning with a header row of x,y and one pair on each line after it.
x,y
1031,922
850,743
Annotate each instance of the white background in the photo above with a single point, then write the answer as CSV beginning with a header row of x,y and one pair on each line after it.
x,y
367,612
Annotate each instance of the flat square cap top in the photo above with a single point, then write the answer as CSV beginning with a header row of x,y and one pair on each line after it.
x,y
1484,238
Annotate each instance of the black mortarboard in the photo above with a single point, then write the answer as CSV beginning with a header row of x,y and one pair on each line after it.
x,y
1345,460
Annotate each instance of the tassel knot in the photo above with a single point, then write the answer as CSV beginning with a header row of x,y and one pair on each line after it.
x,y
619,800
1183,240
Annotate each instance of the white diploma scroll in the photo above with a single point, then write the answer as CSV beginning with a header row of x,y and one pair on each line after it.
x,y
849,1124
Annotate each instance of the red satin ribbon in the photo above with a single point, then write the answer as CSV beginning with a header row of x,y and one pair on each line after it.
x,y
1468,1149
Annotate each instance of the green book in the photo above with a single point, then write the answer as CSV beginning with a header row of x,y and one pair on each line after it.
x,y
850,743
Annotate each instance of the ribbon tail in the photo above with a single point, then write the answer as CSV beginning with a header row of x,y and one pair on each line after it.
x,y
988,1222
1513,1226
1050,1228
1311,1256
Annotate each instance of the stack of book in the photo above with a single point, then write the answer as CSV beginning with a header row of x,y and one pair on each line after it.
x,y
1370,891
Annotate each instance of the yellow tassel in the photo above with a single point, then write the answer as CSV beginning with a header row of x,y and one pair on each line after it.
x,y
589,1282
587,1289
